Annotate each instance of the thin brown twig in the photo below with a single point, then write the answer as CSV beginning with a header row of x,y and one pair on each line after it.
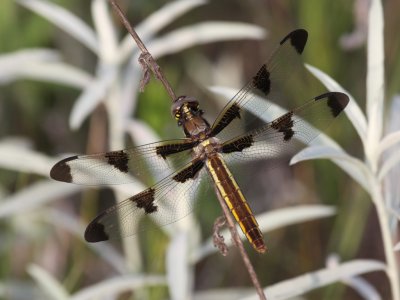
x,y
239,244
146,58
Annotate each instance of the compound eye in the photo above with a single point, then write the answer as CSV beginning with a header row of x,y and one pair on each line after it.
x,y
195,106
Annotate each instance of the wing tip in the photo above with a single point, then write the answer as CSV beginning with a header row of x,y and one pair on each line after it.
x,y
336,101
298,39
61,171
95,232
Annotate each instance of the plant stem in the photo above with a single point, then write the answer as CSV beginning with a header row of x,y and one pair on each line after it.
x,y
390,254
146,56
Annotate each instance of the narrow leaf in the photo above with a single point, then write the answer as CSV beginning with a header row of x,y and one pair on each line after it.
x,y
375,78
352,166
203,33
313,280
105,30
48,283
34,196
157,21
111,288
92,96
14,156
178,273
65,20
388,141
392,160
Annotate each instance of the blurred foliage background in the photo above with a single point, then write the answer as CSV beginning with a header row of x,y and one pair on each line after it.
x,y
39,111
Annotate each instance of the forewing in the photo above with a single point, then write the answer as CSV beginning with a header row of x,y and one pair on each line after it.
x,y
287,133
166,202
273,78
116,167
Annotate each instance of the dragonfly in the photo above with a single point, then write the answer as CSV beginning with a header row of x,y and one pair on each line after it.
x,y
239,133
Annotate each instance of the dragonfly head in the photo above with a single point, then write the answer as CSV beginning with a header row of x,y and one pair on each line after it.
x,y
185,108
186,111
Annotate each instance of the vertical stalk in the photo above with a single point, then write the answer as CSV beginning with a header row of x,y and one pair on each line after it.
x,y
390,255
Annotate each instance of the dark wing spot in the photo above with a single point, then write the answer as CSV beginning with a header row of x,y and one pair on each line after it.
x,y
118,159
61,171
168,149
298,39
262,81
230,114
145,200
238,145
284,124
336,102
189,172
95,232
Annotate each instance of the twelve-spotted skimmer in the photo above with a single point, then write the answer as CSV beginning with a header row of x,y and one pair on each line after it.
x,y
205,149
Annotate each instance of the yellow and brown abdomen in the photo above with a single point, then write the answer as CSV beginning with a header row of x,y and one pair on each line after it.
x,y
234,199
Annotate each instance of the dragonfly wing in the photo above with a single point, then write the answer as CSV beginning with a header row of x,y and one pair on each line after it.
x,y
289,132
166,202
244,110
124,166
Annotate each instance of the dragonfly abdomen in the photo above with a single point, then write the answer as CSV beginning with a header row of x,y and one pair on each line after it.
x,y
235,200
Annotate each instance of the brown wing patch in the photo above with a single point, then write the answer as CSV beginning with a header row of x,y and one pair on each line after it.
x,y
336,102
168,149
238,145
145,200
190,171
284,124
298,39
95,232
61,171
262,81
233,112
118,159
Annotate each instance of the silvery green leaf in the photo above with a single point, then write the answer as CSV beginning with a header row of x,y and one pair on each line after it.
x,y
14,156
232,293
92,96
375,79
179,276
48,283
34,196
157,21
40,64
388,164
359,284
113,287
49,72
353,111
351,165
363,288
202,33
304,283
388,141
105,30
65,20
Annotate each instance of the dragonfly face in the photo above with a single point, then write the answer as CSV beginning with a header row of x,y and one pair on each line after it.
x,y
206,151
187,112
